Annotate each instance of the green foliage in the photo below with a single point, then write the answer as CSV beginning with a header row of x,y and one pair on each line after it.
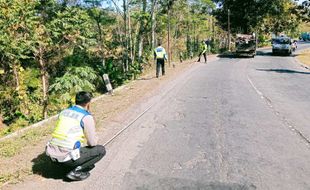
x,y
303,10
263,40
23,106
267,16
74,80
52,49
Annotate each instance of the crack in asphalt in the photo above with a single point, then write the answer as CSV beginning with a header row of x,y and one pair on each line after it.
x,y
278,114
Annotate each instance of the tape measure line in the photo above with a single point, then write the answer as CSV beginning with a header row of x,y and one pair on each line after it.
x,y
138,117
127,126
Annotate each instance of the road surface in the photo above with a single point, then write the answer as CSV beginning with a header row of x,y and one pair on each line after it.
x,y
229,124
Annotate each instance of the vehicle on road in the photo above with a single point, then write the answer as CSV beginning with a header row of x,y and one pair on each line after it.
x,y
246,45
282,45
305,36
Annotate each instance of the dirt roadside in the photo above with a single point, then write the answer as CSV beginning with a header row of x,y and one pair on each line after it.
x,y
304,58
110,114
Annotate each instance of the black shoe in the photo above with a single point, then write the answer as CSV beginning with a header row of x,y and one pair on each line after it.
x,y
77,175
88,168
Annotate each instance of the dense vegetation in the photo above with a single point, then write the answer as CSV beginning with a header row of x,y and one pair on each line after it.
x,y
263,16
50,49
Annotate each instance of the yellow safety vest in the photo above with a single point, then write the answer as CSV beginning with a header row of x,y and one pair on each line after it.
x,y
205,48
160,53
69,132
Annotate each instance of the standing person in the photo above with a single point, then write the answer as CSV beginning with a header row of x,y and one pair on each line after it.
x,y
204,50
74,142
160,56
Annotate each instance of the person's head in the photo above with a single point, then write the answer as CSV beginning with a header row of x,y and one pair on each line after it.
x,y
159,43
83,99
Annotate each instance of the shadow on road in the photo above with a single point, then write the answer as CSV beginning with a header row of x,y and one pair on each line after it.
x,y
146,78
233,56
42,165
264,53
284,71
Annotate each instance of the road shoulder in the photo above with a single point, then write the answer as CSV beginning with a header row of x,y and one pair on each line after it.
x,y
303,58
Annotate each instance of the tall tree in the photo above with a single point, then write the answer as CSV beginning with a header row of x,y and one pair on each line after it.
x,y
246,15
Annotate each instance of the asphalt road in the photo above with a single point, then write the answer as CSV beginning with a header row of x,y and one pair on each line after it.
x,y
227,125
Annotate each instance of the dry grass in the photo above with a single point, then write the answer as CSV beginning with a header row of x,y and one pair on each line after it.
x,y
305,27
304,57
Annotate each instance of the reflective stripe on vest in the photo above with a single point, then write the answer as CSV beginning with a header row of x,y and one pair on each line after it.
x,y
160,52
69,128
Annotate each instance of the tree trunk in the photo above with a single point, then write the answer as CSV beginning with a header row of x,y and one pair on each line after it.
x,y
130,43
44,82
100,40
125,39
228,30
169,28
153,22
140,34
213,29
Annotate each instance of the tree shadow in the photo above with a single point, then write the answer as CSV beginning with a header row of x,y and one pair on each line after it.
x,y
146,78
264,53
284,71
233,55
43,166
226,55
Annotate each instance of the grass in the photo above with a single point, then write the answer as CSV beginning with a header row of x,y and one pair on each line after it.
x,y
304,57
13,146
13,178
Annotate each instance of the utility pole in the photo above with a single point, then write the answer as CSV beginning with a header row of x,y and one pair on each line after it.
x,y
228,29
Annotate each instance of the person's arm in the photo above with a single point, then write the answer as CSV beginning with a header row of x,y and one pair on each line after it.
x,y
90,130
155,55
165,55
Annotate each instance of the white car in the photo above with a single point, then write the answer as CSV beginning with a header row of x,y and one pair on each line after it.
x,y
282,45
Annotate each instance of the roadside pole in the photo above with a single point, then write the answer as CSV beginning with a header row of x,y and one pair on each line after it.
x,y
107,83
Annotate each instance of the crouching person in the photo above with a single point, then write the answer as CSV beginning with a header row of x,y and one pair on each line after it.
x,y
74,142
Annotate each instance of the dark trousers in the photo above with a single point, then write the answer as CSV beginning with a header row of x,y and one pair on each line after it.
x,y
204,55
88,157
160,64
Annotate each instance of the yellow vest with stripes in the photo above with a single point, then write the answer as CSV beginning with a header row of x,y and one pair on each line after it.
x,y
69,132
160,52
